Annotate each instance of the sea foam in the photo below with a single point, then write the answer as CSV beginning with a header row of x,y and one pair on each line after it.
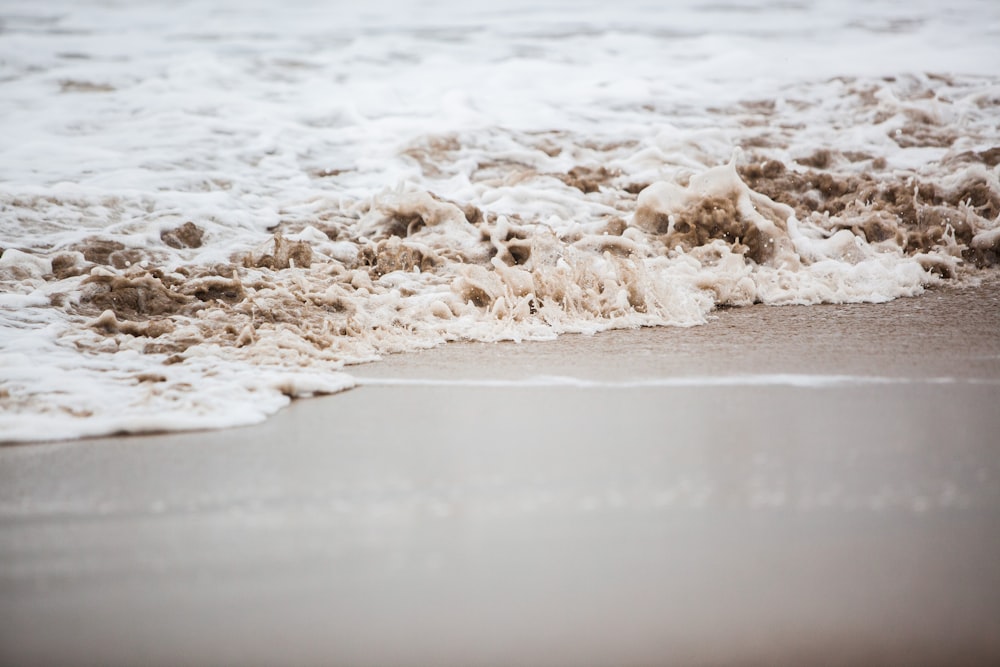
x,y
200,219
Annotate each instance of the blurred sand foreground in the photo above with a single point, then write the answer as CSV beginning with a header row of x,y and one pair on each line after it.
x,y
732,521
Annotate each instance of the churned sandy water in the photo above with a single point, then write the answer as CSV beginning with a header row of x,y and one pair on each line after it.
x,y
207,211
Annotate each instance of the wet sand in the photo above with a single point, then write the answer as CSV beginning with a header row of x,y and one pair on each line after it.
x,y
416,520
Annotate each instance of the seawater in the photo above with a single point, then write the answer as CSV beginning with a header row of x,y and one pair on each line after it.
x,y
207,208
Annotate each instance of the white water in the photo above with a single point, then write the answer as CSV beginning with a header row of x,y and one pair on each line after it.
x,y
331,125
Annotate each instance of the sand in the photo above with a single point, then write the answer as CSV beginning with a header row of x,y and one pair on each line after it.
x,y
416,520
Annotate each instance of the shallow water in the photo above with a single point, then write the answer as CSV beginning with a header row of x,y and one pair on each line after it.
x,y
464,521
208,208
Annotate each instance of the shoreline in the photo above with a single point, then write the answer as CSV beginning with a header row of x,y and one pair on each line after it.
x,y
739,343
422,518
751,340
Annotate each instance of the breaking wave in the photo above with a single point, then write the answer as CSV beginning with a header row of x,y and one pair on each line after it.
x,y
201,302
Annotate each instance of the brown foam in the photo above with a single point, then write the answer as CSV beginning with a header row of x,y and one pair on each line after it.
x,y
188,235
709,219
67,265
433,152
131,298
74,86
287,301
820,159
393,254
923,134
98,250
609,146
326,173
153,328
408,215
990,157
284,254
502,172
718,219
213,288
915,213
588,179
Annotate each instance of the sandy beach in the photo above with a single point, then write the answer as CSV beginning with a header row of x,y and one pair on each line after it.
x,y
782,486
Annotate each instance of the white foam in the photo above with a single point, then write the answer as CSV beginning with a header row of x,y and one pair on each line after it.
x,y
123,121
